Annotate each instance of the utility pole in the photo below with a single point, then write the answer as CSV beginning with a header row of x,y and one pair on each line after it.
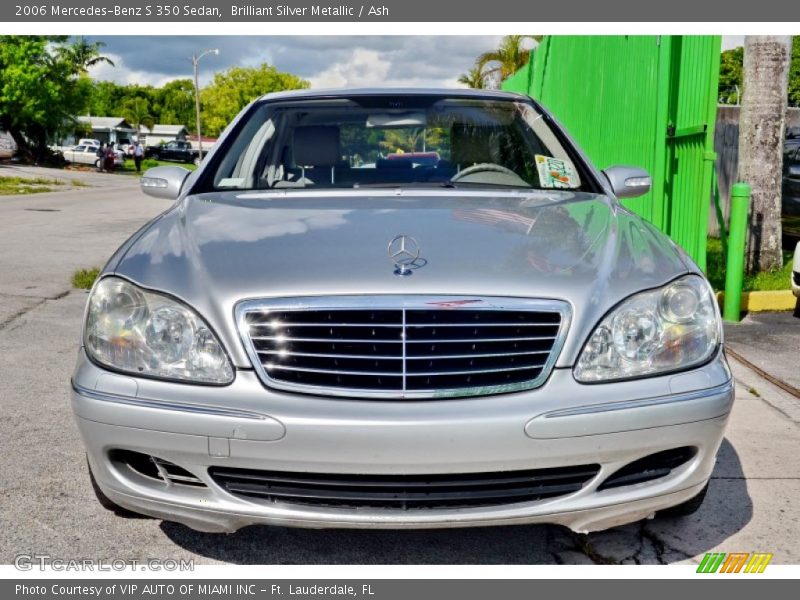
x,y
762,127
195,60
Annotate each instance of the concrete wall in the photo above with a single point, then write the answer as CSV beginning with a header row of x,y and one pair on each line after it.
x,y
726,145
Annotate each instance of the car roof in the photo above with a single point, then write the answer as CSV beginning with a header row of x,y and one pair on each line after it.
x,y
349,92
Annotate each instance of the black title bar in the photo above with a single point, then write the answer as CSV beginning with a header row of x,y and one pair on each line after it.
x,y
390,11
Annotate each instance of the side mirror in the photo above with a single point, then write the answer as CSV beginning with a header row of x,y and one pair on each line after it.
x,y
628,182
793,171
163,182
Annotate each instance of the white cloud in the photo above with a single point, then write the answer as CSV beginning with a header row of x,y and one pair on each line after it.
x,y
327,61
362,68
122,74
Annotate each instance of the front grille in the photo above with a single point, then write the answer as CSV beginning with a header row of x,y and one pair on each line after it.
x,y
402,492
396,347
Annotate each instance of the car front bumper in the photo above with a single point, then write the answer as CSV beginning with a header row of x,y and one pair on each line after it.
x,y
245,425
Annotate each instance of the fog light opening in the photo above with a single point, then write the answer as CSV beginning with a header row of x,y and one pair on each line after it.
x,y
155,468
651,467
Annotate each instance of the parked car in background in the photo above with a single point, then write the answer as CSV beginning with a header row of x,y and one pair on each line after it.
x,y
488,339
86,154
790,194
175,150
88,142
8,147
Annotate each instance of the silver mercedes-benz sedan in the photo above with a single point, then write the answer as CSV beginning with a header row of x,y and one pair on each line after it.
x,y
399,309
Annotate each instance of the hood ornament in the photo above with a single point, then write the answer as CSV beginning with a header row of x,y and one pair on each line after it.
x,y
404,252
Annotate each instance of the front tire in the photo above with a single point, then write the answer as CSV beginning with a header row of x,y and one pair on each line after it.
x,y
691,506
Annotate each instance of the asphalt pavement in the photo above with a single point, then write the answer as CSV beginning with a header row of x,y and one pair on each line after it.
x,y
47,505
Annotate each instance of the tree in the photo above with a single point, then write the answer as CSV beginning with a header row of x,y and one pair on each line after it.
x,y
474,78
761,134
497,65
730,76
794,73
137,112
176,103
232,90
40,91
83,55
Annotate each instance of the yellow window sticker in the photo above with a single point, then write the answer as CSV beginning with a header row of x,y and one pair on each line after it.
x,y
555,172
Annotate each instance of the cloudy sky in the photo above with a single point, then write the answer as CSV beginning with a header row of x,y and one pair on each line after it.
x,y
333,61
326,61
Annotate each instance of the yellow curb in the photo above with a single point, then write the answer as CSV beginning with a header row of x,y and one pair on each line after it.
x,y
767,301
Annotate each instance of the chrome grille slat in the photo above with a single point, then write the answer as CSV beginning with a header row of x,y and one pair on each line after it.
x,y
385,357
333,371
467,341
408,373
399,325
347,340
313,355
403,346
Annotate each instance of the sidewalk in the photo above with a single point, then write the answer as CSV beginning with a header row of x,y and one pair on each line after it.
x,y
771,342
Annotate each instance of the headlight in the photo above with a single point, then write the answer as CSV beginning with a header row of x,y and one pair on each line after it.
x,y
667,329
144,333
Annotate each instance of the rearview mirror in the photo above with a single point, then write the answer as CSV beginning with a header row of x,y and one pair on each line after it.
x,y
390,120
163,182
628,182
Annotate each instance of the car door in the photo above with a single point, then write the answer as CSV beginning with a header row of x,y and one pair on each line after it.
x,y
170,151
75,155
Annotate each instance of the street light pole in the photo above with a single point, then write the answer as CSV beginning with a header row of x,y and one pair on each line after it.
x,y
195,60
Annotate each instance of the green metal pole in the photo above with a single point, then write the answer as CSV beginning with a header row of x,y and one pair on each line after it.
x,y
737,233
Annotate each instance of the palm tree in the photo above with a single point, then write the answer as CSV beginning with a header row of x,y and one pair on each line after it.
x,y
82,55
474,78
136,112
509,57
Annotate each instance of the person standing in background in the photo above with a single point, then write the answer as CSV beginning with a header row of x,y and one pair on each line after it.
x,y
138,155
101,157
110,156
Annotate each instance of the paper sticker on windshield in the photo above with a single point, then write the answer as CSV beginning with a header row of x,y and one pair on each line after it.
x,y
555,173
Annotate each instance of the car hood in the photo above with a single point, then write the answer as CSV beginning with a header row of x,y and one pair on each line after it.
x,y
213,250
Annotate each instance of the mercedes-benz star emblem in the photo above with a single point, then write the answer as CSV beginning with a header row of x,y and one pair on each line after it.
x,y
404,251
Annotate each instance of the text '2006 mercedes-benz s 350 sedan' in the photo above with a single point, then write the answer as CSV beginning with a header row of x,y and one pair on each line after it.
x,y
400,309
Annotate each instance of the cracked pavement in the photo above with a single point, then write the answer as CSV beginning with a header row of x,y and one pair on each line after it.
x,y
47,506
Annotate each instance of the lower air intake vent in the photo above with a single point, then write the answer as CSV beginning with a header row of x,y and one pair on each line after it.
x,y
650,467
404,491
156,468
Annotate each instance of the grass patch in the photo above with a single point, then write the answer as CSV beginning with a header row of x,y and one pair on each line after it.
x,y
23,185
84,279
79,183
148,163
765,281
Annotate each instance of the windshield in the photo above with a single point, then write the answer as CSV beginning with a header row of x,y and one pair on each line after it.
x,y
384,142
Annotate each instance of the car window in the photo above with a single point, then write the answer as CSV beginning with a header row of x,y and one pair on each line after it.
x,y
347,144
